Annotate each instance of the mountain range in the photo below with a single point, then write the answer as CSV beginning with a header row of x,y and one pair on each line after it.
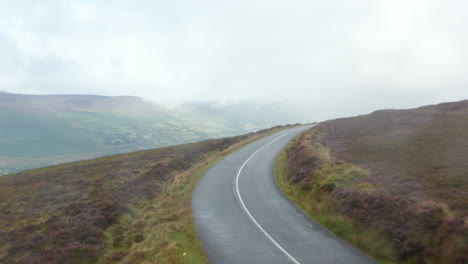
x,y
42,130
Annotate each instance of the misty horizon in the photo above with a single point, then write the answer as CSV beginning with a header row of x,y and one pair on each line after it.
x,y
300,111
330,59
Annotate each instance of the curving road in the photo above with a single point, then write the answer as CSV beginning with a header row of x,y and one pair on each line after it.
x,y
242,217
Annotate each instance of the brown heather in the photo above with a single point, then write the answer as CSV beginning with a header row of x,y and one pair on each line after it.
x,y
402,173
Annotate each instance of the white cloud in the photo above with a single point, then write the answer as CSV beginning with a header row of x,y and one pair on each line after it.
x,y
352,56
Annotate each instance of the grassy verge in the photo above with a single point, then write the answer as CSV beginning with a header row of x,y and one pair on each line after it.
x,y
169,236
316,199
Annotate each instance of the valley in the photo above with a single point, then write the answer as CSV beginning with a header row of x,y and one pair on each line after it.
x,y
43,130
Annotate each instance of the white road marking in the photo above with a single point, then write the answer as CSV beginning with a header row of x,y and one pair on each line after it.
x,y
247,212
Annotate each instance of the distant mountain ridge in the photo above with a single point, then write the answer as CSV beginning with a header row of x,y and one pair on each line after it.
x,y
50,103
42,130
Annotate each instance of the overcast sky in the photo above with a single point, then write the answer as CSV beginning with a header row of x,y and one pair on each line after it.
x,y
339,57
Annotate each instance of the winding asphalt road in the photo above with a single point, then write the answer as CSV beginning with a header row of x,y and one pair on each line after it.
x,y
242,217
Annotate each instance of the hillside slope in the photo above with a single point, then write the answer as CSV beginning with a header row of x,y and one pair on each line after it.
x,y
43,130
127,208
403,173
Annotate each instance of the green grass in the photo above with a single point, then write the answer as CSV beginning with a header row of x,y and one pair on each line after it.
x,y
36,135
31,140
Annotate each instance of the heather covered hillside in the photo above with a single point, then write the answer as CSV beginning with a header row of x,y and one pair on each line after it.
x,y
421,154
127,208
400,173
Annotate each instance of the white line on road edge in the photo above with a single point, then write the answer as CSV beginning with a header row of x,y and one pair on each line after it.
x,y
247,210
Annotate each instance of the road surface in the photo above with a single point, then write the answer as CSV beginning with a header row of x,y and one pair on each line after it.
x,y
242,217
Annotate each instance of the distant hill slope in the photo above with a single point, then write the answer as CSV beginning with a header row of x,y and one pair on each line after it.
x,y
42,130
401,172
127,208
419,153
